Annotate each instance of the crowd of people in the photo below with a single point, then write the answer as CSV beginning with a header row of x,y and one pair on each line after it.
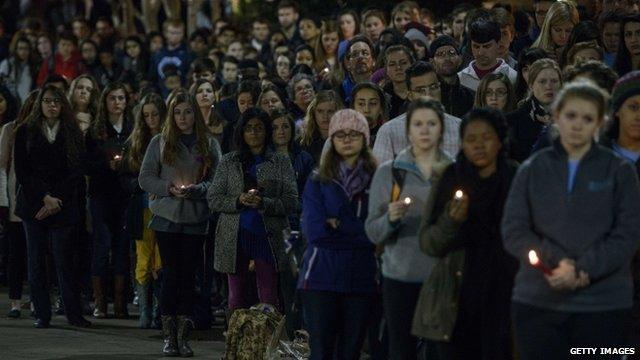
x,y
410,185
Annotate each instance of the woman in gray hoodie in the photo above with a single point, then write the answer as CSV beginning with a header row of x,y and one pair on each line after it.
x,y
573,208
177,169
401,188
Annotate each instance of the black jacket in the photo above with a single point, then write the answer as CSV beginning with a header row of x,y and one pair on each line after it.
x,y
104,182
43,168
457,99
524,131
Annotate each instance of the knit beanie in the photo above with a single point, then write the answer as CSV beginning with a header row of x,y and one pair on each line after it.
x,y
440,41
417,35
349,119
626,87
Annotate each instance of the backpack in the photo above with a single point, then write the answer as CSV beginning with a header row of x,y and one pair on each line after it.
x,y
250,332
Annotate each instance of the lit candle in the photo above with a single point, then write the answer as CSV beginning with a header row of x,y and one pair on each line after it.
x,y
326,70
182,187
117,157
253,192
459,194
407,201
535,262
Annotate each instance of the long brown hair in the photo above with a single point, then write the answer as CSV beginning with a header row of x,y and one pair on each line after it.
x,y
328,27
99,125
92,108
310,130
171,133
73,138
141,134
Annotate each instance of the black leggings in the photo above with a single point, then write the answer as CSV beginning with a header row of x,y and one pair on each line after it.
x,y
399,299
17,259
178,253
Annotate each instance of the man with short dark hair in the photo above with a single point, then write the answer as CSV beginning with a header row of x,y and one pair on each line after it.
x,y
457,99
259,33
288,16
485,36
422,81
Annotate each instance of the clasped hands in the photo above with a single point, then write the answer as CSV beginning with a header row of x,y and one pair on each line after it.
x,y
565,277
182,191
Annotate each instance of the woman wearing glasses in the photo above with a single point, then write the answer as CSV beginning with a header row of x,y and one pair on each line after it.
x,y
254,190
337,280
495,91
48,151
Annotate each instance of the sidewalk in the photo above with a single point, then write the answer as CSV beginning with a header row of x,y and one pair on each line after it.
x,y
107,339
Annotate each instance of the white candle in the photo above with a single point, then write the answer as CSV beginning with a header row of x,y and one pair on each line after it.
x,y
407,201
459,194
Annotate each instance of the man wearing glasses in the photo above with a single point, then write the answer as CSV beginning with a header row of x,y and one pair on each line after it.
x,y
457,99
422,81
360,65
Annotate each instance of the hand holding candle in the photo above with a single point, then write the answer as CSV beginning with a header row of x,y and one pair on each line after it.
x,y
397,209
535,262
459,207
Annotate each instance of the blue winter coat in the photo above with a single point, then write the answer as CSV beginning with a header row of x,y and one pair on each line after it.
x,y
339,260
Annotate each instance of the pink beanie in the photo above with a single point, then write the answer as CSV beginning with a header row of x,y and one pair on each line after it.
x,y
349,119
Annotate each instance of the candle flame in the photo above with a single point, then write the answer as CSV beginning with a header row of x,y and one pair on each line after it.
x,y
407,200
459,194
533,258
117,157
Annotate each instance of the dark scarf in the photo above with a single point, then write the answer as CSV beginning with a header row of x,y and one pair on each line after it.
x,y
352,181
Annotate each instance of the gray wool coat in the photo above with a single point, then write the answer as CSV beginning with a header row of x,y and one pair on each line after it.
x,y
279,196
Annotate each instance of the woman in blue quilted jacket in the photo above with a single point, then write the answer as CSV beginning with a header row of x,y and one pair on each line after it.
x,y
337,281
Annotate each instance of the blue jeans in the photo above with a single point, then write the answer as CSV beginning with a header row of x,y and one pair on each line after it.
x,y
109,235
336,322
63,242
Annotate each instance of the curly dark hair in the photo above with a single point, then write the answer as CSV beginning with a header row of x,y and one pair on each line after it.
x,y
74,140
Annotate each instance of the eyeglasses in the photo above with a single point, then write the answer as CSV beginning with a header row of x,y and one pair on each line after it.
x,y
254,129
443,54
342,136
426,90
49,101
357,54
497,93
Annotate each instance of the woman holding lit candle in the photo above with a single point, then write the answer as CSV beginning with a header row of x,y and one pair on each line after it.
x,y
176,171
394,220
551,209
107,199
149,118
463,310
337,281
254,190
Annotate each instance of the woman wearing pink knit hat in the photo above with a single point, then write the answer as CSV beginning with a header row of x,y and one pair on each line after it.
x,y
337,281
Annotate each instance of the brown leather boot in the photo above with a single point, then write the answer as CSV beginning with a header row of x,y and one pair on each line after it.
x,y
119,300
100,308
